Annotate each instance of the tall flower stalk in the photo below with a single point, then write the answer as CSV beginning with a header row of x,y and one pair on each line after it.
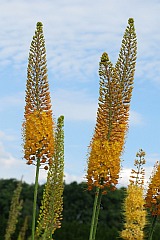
x,y
106,147
52,204
38,124
153,197
15,209
134,211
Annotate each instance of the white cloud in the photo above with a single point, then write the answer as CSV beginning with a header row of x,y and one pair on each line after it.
x,y
135,118
6,159
77,34
124,177
12,167
7,137
125,174
71,178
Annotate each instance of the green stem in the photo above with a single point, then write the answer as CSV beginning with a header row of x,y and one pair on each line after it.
x,y
94,213
97,214
152,227
35,198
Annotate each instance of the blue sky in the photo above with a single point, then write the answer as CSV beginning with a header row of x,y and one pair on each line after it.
x,y
76,34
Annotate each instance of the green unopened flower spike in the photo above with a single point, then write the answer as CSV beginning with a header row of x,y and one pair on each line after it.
x,y
23,230
52,205
15,209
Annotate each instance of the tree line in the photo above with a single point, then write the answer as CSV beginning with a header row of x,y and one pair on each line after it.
x,y
78,202
77,212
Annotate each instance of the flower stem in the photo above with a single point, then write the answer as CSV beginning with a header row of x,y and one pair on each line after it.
x,y
35,198
95,214
152,227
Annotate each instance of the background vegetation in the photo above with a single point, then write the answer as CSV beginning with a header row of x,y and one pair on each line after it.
x,y
77,211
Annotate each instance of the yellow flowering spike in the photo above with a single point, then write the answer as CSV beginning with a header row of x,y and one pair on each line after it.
x,y
38,124
135,215
153,192
108,140
102,167
38,137
52,205
134,212
116,84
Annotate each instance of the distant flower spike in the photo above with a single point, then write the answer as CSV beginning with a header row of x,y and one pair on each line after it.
x,y
134,212
15,210
137,176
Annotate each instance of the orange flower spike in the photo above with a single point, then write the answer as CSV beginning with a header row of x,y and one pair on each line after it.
x,y
116,84
153,193
38,124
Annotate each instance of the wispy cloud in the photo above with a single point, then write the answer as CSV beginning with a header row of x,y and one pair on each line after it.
x,y
10,101
82,106
76,34
6,137
74,105
136,118
152,158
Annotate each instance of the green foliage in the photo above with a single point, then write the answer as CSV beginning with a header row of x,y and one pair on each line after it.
x,y
77,211
7,187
